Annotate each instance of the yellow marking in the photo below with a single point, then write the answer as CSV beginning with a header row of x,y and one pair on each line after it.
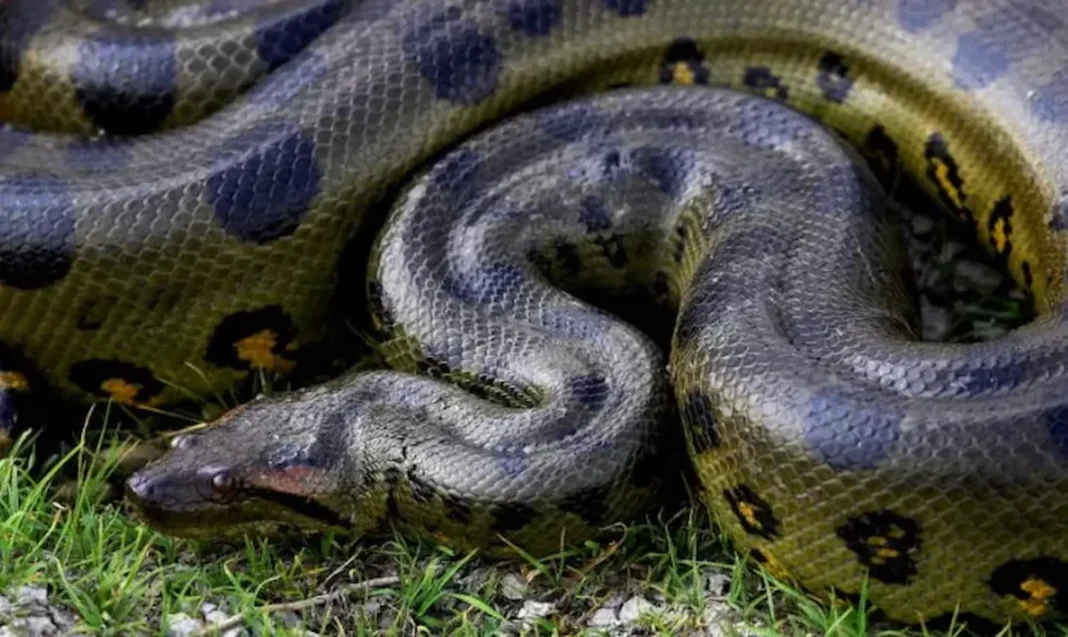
x,y
877,540
749,513
896,532
121,391
875,559
1041,592
998,234
773,565
14,381
887,553
257,351
942,175
440,537
682,73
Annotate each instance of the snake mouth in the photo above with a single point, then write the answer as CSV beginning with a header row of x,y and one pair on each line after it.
x,y
259,511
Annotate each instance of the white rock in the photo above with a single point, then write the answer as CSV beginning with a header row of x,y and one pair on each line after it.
x,y
634,608
513,587
603,618
182,625
28,595
535,610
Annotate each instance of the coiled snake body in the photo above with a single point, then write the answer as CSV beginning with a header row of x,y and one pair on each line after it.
x,y
148,263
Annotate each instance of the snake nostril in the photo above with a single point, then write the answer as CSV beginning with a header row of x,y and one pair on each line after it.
x,y
139,487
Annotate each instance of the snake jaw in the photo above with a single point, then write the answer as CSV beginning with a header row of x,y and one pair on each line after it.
x,y
233,478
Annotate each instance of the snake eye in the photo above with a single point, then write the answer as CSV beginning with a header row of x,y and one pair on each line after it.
x,y
223,483
183,441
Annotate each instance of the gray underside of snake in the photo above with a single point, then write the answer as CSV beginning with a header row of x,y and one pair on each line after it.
x,y
725,162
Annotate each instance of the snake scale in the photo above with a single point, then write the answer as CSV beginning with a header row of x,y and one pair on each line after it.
x,y
180,181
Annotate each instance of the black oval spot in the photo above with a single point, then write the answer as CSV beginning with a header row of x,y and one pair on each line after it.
x,y
37,229
885,542
126,81
263,184
461,64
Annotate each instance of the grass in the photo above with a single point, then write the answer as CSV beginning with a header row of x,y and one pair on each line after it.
x,y
120,578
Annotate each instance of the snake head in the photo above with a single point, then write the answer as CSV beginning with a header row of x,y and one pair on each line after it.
x,y
264,468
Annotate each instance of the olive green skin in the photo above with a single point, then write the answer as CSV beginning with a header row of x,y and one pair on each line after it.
x,y
826,440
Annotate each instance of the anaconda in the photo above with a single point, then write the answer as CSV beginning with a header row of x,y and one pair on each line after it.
x,y
517,154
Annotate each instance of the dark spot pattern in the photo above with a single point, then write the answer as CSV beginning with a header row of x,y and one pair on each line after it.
x,y
847,434
762,79
978,61
456,176
20,20
628,8
222,347
1056,421
683,51
456,508
589,504
613,250
510,516
422,491
511,459
752,511
882,154
282,38
579,122
1040,584
594,215
984,54
699,418
534,17
1050,103
38,248
833,79
92,375
262,184
885,542
126,81
944,173
669,168
916,15
1059,220
486,284
568,258
1000,226
591,391
460,63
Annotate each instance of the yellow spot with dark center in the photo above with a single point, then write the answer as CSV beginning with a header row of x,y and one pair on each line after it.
x,y
682,74
258,351
121,391
999,236
749,513
1041,593
942,175
14,381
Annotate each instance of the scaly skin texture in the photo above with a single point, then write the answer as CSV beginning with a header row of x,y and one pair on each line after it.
x,y
826,439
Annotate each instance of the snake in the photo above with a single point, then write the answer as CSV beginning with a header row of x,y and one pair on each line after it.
x,y
530,185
